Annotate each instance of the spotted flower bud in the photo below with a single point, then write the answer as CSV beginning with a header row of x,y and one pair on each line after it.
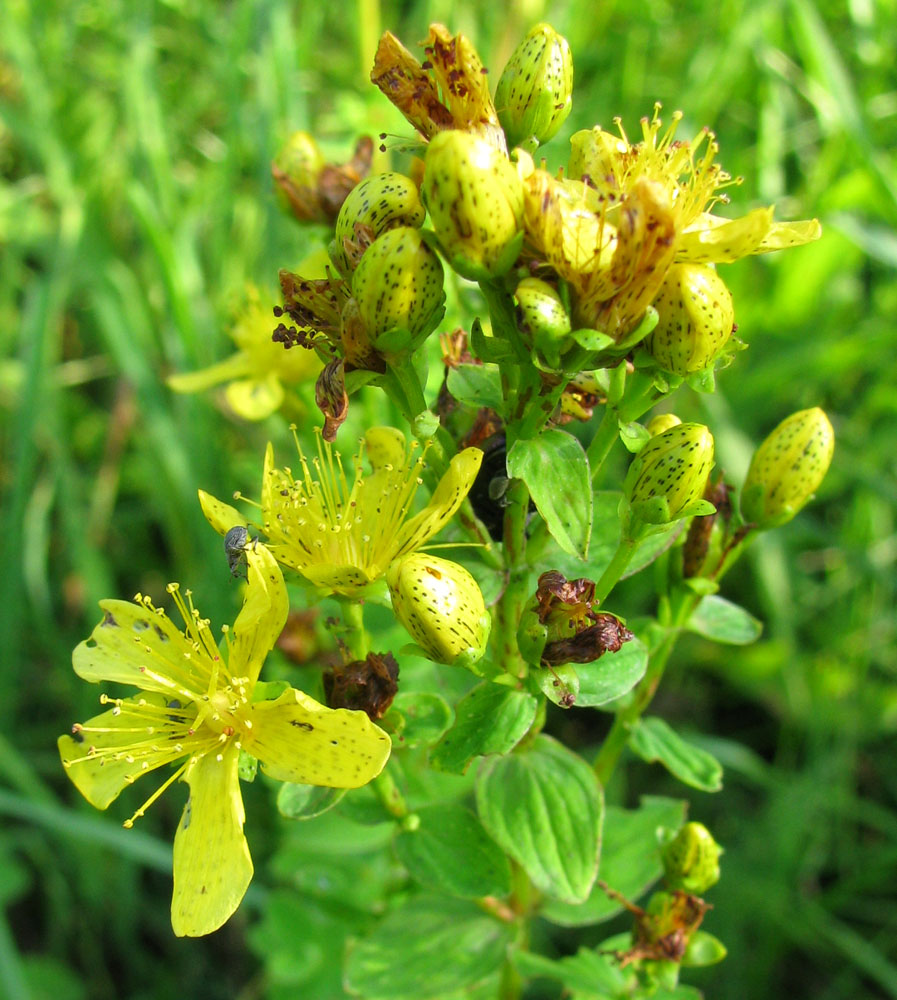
x,y
667,478
533,97
787,468
695,319
691,859
398,287
475,200
662,422
543,318
441,606
376,205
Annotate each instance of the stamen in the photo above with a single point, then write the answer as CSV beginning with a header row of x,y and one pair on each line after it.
x,y
128,823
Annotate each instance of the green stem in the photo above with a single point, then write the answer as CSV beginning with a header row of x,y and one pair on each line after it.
x,y
604,439
510,607
354,635
389,795
616,568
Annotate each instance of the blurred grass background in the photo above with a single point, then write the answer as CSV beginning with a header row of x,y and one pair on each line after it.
x,y
135,201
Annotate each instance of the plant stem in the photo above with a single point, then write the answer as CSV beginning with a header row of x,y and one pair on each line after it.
x,y
389,795
512,600
354,635
604,439
615,569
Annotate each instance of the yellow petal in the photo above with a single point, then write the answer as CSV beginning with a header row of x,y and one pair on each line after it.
x,y
342,579
262,617
132,640
101,764
236,366
212,867
782,235
712,240
255,398
297,739
385,446
220,515
447,498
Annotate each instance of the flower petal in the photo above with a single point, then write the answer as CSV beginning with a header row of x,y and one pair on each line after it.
x,y
236,366
220,515
790,234
712,240
101,764
212,866
133,640
447,498
262,617
297,739
255,398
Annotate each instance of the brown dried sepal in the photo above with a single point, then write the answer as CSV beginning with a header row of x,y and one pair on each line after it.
x,y
333,183
356,345
331,397
578,632
661,936
367,685
407,84
697,542
315,305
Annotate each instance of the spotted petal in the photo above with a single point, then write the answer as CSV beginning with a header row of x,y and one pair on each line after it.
x,y
297,739
447,498
220,515
262,617
93,762
212,866
133,641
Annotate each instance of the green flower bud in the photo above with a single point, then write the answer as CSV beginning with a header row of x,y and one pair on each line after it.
x,y
543,318
667,478
440,605
691,859
398,287
475,200
695,319
662,422
378,204
787,468
533,97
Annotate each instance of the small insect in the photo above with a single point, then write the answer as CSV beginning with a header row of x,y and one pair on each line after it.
x,y
235,542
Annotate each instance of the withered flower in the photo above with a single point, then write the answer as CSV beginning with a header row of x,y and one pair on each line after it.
x,y
367,685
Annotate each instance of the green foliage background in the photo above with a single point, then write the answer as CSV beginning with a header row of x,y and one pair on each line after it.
x,y
135,142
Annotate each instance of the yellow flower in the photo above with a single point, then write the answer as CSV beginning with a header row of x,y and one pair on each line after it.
x,y
626,212
344,536
261,367
196,706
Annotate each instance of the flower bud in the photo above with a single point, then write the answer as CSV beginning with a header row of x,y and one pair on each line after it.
x,y
691,859
667,478
543,318
398,287
376,205
475,200
787,468
295,171
441,606
533,97
662,422
695,319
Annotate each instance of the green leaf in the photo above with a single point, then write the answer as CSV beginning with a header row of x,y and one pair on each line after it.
x,y
452,853
477,386
722,621
606,537
633,436
654,740
589,972
489,719
543,806
426,717
426,948
556,472
560,685
592,340
630,859
306,801
612,674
